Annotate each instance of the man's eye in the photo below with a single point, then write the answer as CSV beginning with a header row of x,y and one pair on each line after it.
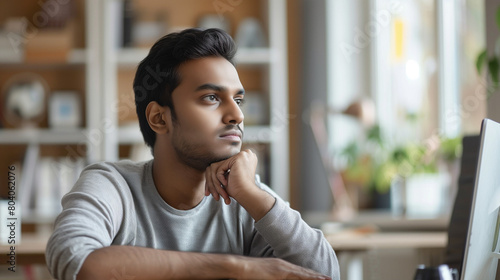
x,y
211,98
240,101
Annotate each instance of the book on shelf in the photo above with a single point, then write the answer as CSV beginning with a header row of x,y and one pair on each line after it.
x,y
27,170
44,181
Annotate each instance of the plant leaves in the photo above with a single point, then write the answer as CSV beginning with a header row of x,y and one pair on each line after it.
x,y
481,58
497,17
493,67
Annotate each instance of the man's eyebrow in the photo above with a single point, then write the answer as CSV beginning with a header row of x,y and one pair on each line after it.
x,y
215,87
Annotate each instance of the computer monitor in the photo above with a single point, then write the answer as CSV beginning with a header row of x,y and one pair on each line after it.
x,y
482,247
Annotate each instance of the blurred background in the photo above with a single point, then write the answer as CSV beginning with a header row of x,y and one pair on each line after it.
x,y
356,108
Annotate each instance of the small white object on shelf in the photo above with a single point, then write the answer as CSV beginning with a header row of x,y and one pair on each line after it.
x,y
24,96
65,110
214,21
250,34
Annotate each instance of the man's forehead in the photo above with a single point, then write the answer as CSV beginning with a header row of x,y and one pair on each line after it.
x,y
209,70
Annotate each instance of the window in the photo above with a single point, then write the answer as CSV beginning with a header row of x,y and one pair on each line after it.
x,y
415,59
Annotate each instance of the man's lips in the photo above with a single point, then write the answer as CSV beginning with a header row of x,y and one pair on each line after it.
x,y
233,134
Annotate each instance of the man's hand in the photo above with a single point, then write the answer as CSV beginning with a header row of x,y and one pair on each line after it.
x,y
235,177
274,268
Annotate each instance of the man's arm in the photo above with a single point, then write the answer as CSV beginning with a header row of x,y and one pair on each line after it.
x,y
128,262
280,229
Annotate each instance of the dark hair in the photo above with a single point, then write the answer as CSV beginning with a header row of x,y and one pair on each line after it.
x,y
157,75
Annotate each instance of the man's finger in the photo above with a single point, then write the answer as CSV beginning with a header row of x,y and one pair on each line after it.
x,y
221,176
223,193
219,188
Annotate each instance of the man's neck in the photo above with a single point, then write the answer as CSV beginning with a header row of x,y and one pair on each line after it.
x,y
180,186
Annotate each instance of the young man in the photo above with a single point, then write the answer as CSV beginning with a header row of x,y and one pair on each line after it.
x,y
156,219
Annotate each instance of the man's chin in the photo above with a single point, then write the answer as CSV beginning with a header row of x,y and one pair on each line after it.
x,y
226,155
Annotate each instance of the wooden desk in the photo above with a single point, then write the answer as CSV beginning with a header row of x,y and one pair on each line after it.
x,y
349,241
30,251
382,219
369,245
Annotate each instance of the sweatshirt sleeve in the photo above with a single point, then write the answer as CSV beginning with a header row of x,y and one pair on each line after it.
x,y
291,239
92,214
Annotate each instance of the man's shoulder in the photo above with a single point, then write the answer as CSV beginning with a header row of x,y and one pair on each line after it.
x,y
122,174
123,167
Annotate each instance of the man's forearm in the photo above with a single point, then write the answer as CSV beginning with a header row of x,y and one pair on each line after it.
x,y
127,262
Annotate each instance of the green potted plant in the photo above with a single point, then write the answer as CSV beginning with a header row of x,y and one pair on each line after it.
x,y
491,63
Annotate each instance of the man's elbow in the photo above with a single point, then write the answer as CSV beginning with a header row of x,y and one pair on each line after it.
x,y
92,269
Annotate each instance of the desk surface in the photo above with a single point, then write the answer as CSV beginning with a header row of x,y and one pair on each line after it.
x,y
30,244
382,219
380,230
387,240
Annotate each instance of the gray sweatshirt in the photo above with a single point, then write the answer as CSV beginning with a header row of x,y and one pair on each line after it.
x,y
118,204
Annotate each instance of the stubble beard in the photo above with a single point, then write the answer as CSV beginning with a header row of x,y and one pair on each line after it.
x,y
195,155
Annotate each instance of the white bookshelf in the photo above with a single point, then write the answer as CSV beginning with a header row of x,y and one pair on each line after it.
x,y
102,64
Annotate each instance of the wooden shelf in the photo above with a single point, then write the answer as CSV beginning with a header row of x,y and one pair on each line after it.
x,y
75,57
42,136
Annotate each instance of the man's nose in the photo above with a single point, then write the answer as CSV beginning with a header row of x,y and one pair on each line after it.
x,y
233,113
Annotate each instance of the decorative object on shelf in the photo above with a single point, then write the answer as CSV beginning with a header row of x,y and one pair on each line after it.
x,y
64,110
255,109
51,45
214,21
421,195
250,34
24,100
57,13
55,30
145,32
362,110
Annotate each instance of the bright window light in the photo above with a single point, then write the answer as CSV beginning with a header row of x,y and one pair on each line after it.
x,y
412,70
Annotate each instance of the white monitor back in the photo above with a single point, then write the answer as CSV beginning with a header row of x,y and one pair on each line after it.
x,y
480,260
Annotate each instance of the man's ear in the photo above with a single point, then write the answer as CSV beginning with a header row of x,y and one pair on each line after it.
x,y
158,117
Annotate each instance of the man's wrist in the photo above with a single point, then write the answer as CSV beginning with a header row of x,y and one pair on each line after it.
x,y
257,202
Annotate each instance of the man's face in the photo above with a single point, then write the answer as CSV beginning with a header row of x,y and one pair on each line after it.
x,y
209,123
